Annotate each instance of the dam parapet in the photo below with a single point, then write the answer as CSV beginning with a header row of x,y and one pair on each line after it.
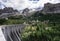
x,y
12,32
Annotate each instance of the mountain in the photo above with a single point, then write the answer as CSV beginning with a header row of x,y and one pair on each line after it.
x,y
8,10
51,8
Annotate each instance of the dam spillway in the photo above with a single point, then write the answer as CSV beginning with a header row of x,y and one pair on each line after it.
x,y
12,32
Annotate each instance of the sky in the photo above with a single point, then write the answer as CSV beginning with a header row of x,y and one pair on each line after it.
x,y
21,4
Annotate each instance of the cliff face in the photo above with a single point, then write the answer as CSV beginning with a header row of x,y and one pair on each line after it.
x,y
7,10
51,8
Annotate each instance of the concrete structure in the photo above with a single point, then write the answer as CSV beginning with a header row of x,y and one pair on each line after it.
x,y
2,38
11,32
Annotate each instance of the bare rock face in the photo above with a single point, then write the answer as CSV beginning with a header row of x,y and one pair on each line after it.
x,y
26,12
51,8
7,10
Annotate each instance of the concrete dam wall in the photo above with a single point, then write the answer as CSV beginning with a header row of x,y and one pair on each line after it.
x,y
12,32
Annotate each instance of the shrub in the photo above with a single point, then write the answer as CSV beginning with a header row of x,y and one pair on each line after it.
x,y
41,32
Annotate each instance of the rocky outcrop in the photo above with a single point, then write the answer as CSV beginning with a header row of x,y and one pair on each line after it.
x,y
25,12
7,10
51,8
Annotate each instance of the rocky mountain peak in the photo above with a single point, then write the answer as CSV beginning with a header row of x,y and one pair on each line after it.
x,y
51,8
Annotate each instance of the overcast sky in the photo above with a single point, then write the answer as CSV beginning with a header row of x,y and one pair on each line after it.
x,y
20,4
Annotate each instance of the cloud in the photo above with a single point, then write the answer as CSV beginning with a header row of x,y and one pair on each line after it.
x,y
4,0
21,4
54,1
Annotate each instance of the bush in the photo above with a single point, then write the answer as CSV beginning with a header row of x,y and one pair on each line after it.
x,y
3,21
41,32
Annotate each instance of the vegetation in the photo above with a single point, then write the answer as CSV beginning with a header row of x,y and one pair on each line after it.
x,y
52,18
47,28
41,32
41,27
12,20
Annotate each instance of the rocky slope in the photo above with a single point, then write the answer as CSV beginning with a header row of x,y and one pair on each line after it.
x,y
51,8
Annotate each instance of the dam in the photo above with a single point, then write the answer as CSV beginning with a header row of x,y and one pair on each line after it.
x,y
11,32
